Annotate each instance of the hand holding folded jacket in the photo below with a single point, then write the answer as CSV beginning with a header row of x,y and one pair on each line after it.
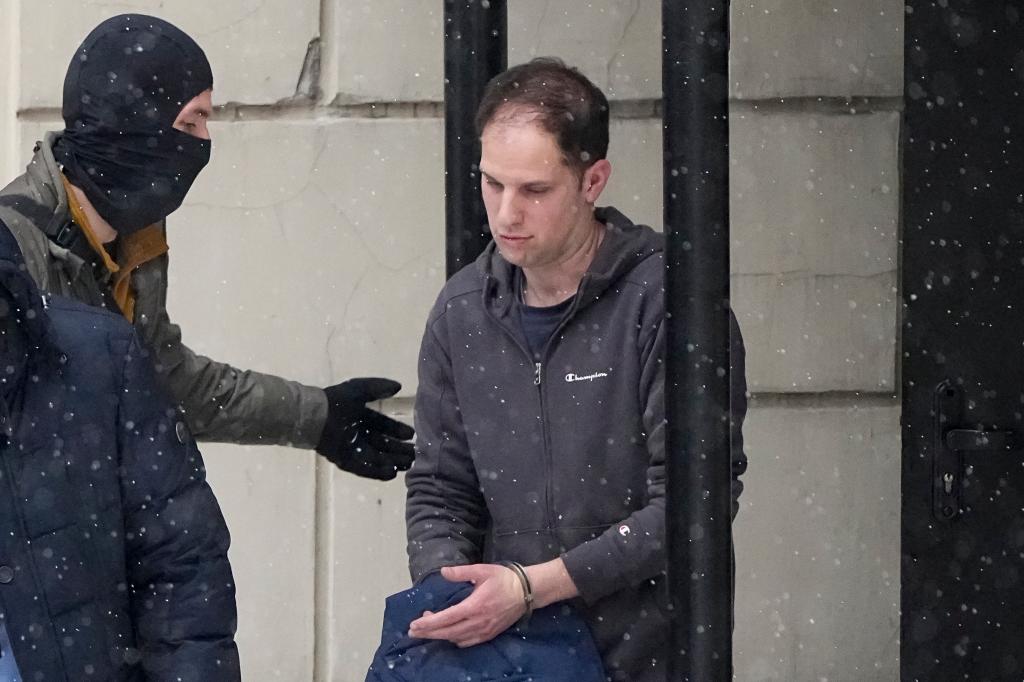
x,y
360,440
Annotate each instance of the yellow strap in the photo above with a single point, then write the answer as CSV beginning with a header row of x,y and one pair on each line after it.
x,y
134,250
78,215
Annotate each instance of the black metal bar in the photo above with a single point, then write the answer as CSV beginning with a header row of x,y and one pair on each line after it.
x,y
475,50
695,42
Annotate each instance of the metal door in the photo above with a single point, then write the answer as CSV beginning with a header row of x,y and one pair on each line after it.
x,y
963,342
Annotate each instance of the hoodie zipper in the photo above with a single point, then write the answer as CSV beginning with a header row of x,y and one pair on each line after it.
x,y
549,464
538,381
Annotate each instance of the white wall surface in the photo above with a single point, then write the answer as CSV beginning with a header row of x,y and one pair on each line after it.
x,y
256,47
313,247
817,544
810,48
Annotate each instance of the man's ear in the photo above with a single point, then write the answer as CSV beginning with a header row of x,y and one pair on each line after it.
x,y
595,178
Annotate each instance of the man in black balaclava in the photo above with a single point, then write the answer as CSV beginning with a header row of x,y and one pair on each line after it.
x,y
89,215
123,93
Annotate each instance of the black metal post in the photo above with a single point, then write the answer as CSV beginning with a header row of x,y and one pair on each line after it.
x,y
695,82
475,50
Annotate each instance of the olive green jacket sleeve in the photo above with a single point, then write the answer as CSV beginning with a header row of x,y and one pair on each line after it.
x,y
223,403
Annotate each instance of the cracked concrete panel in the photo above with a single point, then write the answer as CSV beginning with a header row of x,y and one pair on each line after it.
x,y
814,212
387,51
256,47
818,545
814,193
810,48
315,247
393,50
617,44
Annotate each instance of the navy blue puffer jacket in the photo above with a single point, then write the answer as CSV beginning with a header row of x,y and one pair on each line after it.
x,y
554,646
113,550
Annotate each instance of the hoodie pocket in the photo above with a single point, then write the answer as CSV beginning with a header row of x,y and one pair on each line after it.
x,y
570,537
533,546
525,546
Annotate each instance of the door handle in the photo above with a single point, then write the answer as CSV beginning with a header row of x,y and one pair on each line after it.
x,y
974,440
949,445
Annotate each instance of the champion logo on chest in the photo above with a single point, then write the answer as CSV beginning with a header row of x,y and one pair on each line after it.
x,y
572,377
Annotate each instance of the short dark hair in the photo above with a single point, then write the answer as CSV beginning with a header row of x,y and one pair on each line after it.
x,y
561,99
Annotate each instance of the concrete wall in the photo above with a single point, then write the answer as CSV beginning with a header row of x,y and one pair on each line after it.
x,y
313,246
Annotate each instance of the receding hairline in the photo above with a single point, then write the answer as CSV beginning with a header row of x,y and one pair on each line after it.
x,y
512,113
534,121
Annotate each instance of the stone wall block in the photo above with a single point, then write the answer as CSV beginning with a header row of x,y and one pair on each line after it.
x,y
369,564
387,51
324,269
818,545
391,50
266,494
617,44
256,48
814,193
812,333
814,210
809,48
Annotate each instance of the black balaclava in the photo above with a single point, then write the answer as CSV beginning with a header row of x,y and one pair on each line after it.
x,y
126,84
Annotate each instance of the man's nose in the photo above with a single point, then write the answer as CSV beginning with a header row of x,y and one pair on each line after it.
x,y
510,211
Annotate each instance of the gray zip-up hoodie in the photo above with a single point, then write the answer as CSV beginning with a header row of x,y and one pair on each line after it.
x,y
565,457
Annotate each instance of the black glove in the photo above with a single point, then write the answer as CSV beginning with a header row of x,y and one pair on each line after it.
x,y
360,440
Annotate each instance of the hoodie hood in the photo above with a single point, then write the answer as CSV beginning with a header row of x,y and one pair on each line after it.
x,y
38,194
625,246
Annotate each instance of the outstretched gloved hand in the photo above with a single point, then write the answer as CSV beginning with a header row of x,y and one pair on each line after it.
x,y
360,440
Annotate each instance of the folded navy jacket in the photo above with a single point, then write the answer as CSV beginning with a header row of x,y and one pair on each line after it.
x,y
555,646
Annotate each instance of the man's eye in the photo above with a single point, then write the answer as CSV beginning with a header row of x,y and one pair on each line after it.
x,y
536,191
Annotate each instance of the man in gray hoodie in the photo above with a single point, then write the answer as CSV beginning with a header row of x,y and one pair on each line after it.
x,y
540,471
